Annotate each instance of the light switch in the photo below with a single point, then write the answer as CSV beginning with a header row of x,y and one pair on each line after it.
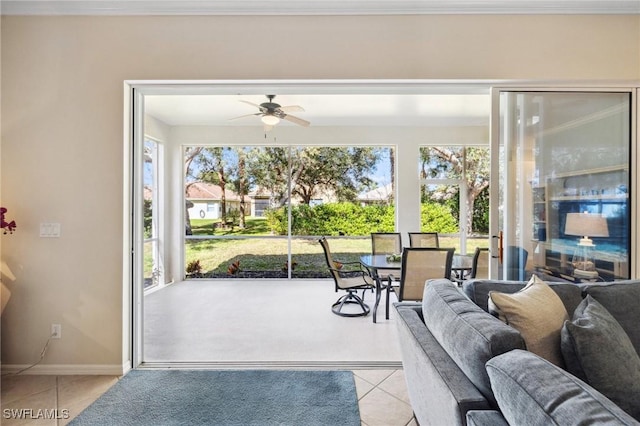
x,y
50,230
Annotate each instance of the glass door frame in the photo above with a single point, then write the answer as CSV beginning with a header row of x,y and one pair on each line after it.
x,y
497,233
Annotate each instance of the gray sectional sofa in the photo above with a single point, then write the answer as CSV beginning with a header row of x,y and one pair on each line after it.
x,y
463,366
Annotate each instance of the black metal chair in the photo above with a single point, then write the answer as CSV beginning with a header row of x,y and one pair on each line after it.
x,y
480,264
420,264
348,280
424,239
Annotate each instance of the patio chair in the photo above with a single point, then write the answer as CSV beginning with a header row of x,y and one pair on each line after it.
x,y
423,239
349,280
386,243
420,264
480,264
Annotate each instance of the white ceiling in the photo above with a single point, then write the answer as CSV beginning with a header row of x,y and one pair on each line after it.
x,y
315,7
432,110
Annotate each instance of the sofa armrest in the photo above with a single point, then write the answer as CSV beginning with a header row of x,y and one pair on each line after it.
x,y
440,393
485,418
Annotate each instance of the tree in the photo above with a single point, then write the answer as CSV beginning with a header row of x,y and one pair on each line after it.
x,y
269,167
214,167
241,184
449,162
342,172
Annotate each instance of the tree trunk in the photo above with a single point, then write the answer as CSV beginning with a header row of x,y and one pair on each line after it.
x,y
242,188
471,202
222,183
392,166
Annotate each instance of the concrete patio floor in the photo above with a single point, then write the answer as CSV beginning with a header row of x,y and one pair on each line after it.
x,y
263,323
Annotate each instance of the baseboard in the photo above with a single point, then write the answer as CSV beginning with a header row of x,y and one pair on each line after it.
x,y
68,369
120,370
276,365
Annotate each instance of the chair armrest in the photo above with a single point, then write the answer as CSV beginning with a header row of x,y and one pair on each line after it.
x,y
360,266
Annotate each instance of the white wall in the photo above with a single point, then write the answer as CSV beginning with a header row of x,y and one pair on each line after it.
x,y
62,127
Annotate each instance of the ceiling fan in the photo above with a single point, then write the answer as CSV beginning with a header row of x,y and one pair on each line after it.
x,y
271,113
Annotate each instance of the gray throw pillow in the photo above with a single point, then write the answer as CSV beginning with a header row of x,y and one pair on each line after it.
x,y
621,299
531,391
597,350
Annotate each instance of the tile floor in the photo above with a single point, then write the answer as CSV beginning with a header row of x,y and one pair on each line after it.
x,y
382,397
199,321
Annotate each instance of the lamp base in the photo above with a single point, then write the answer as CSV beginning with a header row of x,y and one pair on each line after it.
x,y
581,273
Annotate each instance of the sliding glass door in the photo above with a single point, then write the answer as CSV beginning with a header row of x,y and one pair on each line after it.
x,y
563,195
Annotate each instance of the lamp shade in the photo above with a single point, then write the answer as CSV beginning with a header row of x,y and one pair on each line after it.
x,y
586,224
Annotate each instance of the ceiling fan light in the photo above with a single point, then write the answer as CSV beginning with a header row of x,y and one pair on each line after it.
x,y
270,120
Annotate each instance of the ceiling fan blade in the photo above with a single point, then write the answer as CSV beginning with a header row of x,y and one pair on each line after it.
x,y
292,108
243,116
296,120
250,103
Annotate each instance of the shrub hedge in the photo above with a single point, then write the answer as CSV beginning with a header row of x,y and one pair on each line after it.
x,y
354,220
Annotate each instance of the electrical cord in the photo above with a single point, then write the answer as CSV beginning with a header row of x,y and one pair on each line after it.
x,y
42,353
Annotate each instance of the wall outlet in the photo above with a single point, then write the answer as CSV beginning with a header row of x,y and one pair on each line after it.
x,y
56,331
50,230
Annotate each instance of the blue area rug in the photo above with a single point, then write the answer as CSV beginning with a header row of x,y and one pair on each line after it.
x,y
238,397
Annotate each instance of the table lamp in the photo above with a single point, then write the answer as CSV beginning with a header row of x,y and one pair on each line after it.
x,y
585,225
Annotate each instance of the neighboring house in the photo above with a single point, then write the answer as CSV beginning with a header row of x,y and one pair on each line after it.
x,y
260,201
206,200
147,193
379,195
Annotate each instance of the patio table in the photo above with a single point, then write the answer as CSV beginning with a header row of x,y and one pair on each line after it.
x,y
375,262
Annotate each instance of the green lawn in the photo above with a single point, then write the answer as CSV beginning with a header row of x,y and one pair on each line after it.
x,y
270,253
257,250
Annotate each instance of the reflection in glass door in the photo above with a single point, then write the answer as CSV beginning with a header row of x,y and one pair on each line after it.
x,y
152,194
564,200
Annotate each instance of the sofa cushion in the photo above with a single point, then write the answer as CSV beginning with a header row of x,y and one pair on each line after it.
x,y
485,418
538,313
621,299
532,391
469,335
597,350
478,291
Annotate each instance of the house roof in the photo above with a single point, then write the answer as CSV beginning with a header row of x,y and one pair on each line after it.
x,y
381,193
208,191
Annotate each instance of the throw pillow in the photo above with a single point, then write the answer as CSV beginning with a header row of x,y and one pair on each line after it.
x,y
621,300
532,391
538,313
597,350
